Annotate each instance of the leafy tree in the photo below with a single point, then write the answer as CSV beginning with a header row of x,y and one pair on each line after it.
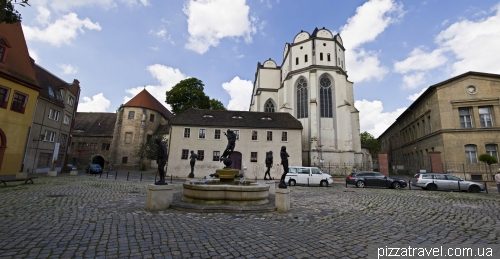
x,y
371,142
216,105
188,93
8,14
488,159
149,150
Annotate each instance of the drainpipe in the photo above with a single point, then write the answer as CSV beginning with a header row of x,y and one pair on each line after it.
x,y
28,138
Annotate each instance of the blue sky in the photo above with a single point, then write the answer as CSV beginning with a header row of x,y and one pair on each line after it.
x,y
395,49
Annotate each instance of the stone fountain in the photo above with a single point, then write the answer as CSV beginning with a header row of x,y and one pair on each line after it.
x,y
226,186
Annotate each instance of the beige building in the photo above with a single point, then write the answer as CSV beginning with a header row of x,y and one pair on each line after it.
x,y
51,129
459,117
311,84
112,139
257,133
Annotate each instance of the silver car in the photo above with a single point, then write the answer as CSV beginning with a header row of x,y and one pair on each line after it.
x,y
448,182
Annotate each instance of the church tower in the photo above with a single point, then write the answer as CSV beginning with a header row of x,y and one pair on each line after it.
x,y
311,84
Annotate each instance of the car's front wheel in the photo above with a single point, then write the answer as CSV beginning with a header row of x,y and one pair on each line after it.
x,y
292,182
396,185
360,184
474,188
323,184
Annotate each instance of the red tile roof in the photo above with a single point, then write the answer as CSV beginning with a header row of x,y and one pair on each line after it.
x,y
17,65
145,100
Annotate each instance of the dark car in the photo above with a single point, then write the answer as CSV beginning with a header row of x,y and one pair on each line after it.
x,y
362,179
94,169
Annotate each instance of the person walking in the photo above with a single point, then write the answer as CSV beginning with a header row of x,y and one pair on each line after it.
x,y
497,179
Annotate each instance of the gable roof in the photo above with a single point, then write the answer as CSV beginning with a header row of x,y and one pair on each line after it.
x,y
236,119
94,124
17,65
145,100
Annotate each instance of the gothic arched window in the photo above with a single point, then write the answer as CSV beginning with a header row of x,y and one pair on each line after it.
x,y
269,106
302,99
325,97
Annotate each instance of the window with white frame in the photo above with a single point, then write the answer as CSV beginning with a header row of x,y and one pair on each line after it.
x,y
67,119
187,132
131,115
254,135
471,154
492,150
185,154
237,133
53,114
4,96
216,156
217,134
201,155
284,136
19,102
201,133
485,117
269,135
253,156
71,101
465,118
50,136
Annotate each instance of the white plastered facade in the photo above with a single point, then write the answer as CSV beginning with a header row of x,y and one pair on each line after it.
x,y
334,138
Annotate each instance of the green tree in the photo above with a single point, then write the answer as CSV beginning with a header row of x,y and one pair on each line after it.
x,y
149,150
371,142
7,12
488,159
188,93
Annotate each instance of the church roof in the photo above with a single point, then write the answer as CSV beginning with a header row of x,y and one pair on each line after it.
x,y
145,100
94,124
236,119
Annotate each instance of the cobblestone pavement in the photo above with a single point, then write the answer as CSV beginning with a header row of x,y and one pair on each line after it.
x,y
90,217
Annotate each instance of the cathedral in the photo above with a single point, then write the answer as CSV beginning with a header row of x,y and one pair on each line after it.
x,y
311,84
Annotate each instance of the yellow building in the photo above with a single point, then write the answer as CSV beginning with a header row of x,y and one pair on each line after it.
x,y
18,94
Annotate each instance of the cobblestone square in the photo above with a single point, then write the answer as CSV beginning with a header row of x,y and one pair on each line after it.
x,y
91,217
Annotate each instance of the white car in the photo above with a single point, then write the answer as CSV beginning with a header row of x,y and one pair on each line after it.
x,y
307,175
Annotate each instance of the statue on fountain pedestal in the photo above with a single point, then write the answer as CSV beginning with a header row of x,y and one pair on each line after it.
x,y
269,164
193,158
161,160
231,142
284,161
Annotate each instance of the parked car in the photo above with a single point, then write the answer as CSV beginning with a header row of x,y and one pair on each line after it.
x,y
439,181
307,175
72,167
94,169
364,179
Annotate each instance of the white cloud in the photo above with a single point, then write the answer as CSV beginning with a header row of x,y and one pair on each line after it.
x,y
68,69
98,103
62,31
414,97
240,92
421,60
162,33
373,119
67,5
240,56
412,81
167,76
34,55
209,21
370,20
155,48
474,44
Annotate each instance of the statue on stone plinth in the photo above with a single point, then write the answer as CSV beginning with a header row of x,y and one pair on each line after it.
x,y
269,164
231,142
284,161
193,158
161,160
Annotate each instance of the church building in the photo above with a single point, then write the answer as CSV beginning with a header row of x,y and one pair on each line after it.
x,y
311,84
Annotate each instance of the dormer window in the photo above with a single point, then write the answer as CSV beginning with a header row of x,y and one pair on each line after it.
x,y
59,96
208,116
3,49
266,119
2,52
51,92
237,117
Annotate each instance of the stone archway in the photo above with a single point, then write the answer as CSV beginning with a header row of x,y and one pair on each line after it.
x,y
98,160
3,146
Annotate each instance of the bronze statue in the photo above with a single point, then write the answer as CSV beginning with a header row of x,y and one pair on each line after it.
x,y
284,161
269,163
193,158
231,139
161,160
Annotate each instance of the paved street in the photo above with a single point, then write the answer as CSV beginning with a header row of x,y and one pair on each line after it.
x,y
90,217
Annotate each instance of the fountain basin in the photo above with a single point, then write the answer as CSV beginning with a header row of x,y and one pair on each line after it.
x,y
247,194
